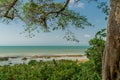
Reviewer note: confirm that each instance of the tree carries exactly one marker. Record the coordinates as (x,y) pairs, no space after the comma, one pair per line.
(45,15)
(48,14)
(41,12)
(91,70)
(111,57)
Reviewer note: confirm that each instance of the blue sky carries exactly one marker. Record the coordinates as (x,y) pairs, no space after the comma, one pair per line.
(10,33)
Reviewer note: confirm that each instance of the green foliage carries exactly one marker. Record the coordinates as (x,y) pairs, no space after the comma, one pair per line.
(65,70)
(47,15)
(3,58)
(98,44)
(3,7)
(91,70)
(42,14)
(32,62)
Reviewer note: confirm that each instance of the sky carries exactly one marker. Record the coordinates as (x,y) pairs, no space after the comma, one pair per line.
(10,33)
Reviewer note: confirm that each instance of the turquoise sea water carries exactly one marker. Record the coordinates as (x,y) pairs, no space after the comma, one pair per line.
(40,50)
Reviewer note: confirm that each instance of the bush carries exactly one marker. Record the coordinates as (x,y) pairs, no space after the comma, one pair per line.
(4,58)
(92,70)
(65,70)
(32,62)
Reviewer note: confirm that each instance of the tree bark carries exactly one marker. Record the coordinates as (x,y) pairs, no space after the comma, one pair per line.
(111,56)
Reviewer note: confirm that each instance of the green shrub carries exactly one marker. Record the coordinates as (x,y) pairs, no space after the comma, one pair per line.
(32,62)
(91,70)
(4,58)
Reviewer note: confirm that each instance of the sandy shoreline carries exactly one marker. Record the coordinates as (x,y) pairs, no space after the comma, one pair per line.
(25,59)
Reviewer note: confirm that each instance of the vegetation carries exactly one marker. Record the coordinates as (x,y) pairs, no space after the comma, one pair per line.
(51,11)
(65,70)
(24,58)
(62,69)
(4,58)
(47,14)
(92,70)
(11,9)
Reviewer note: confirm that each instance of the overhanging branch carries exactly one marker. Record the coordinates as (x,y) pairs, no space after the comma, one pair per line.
(57,12)
(8,10)
(62,9)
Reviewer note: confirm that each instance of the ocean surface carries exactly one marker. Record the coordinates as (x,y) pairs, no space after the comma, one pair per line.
(40,50)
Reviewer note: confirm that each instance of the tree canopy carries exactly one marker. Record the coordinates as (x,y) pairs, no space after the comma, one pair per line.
(46,14)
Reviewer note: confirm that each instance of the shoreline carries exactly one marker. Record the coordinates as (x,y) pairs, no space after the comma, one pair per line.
(42,56)
(11,60)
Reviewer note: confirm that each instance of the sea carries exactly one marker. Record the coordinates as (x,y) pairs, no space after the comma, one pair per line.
(40,50)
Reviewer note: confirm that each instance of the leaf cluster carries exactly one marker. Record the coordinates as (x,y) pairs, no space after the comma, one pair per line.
(91,70)
(48,15)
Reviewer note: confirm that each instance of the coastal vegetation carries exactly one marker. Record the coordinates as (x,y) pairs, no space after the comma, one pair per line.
(64,70)
(60,69)
(33,14)
(4,58)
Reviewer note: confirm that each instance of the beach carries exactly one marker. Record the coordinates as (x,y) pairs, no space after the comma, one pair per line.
(10,55)
(11,60)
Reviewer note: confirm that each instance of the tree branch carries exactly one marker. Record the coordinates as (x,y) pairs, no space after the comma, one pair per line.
(67,2)
(57,12)
(62,9)
(8,10)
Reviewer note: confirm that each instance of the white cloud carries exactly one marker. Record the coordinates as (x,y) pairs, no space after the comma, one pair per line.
(71,1)
(80,5)
(76,5)
(87,36)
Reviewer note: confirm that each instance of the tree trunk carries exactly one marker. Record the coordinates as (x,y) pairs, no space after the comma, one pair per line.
(111,56)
